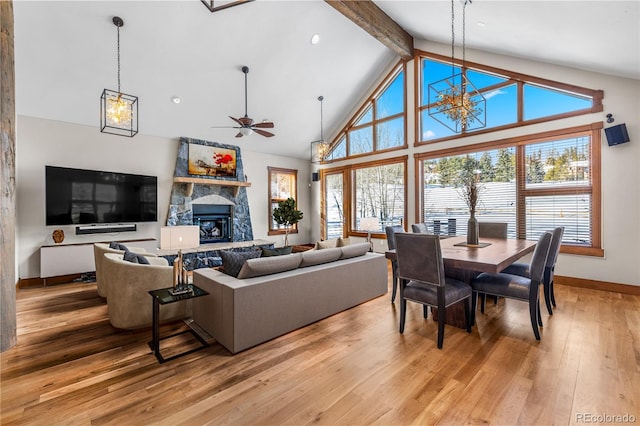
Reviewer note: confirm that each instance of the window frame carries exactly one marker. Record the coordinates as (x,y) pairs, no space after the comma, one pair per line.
(293,173)
(348,176)
(594,130)
(371,104)
(512,77)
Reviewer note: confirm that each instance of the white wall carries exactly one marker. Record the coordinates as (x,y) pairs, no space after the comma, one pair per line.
(45,142)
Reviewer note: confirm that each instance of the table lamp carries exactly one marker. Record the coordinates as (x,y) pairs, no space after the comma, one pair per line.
(178,238)
(369,224)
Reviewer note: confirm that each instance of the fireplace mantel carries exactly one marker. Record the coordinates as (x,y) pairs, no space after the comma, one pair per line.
(190,181)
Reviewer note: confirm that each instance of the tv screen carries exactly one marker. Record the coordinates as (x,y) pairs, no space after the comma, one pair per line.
(77,196)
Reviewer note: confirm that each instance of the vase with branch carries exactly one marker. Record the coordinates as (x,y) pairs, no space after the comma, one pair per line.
(470,192)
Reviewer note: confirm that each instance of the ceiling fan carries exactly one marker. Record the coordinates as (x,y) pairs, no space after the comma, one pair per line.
(246,124)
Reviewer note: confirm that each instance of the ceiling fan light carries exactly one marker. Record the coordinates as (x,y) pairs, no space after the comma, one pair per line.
(246,131)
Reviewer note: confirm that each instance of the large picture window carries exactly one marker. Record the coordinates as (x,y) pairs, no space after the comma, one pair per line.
(534,183)
(375,191)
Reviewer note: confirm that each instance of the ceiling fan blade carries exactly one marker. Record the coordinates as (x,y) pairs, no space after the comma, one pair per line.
(236,120)
(263,133)
(264,125)
(239,135)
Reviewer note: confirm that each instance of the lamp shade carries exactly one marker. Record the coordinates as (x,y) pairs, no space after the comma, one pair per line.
(369,224)
(179,237)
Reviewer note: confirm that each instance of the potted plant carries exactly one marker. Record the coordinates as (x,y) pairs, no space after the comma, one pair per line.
(287,215)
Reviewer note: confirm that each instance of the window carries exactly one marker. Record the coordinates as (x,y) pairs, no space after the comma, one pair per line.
(282,185)
(534,183)
(370,190)
(512,99)
(380,123)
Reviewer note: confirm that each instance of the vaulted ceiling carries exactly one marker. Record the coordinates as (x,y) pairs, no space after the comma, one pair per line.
(66,55)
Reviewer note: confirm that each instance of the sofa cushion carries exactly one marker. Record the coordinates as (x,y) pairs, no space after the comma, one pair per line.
(118,246)
(135,258)
(354,250)
(232,261)
(269,265)
(331,243)
(316,257)
(267,252)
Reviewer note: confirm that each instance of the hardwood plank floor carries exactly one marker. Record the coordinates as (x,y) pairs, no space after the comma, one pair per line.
(72,367)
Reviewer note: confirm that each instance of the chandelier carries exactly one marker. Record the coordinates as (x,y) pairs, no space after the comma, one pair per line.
(222,4)
(455,102)
(319,148)
(118,111)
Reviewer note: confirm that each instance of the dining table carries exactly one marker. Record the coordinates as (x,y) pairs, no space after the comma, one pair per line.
(464,262)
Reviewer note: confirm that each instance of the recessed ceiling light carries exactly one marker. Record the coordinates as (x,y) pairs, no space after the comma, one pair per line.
(176,99)
(315,39)
(480,24)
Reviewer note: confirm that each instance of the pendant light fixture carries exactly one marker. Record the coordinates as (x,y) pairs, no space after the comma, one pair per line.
(454,101)
(319,148)
(118,111)
(222,4)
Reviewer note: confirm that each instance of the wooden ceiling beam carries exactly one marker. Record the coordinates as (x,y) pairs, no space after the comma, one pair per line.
(373,20)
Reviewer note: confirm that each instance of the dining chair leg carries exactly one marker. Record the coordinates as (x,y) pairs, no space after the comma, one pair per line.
(403,311)
(539,315)
(394,274)
(547,297)
(425,311)
(467,313)
(474,296)
(442,317)
(483,299)
(534,319)
(552,294)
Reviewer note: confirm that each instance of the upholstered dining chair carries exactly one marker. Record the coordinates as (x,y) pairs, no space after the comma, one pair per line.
(526,289)
(420,228)
(391,243)
(422,279)
(492,229)
(522,269)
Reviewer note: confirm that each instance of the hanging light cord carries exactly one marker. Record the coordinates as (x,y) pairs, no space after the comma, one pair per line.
(453,40)
(321,99)
(118,27)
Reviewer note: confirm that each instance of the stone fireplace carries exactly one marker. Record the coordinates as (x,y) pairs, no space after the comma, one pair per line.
(221,211)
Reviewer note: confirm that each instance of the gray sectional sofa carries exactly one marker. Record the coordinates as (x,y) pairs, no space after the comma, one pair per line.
(276,295)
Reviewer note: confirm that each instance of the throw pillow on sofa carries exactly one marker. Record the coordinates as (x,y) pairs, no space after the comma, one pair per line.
(269,265)
(118,246)
(232,261)
(332,243)
(135,258)
(268,252)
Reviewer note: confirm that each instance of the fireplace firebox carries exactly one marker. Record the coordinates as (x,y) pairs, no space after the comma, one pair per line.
(215,222)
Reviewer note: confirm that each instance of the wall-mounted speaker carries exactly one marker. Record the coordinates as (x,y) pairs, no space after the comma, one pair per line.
(617,134)
(315,176)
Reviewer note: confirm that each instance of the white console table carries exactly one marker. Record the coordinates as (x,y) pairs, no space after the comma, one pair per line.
(68,259)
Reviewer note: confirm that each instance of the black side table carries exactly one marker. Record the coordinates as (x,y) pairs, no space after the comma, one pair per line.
(164,297)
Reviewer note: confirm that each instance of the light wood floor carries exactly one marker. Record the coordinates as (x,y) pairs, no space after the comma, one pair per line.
(71,367)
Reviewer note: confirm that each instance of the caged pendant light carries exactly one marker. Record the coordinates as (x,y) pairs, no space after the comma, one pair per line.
(319,148)
(454,101)
(118,111)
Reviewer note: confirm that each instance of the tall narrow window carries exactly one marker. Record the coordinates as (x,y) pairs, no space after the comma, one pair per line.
(282,185)
(334,213)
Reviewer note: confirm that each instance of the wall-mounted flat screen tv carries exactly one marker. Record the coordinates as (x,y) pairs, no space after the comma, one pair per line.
(77,196)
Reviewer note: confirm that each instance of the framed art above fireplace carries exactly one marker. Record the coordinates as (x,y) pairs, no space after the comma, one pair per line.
(212,161)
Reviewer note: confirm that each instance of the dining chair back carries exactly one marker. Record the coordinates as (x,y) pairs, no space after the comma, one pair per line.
(518,287)
(422,279)
(420,228)
(492,229)
(522,269)
(391,232)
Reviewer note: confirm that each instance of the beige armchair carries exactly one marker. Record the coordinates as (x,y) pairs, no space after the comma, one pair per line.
(128,284)
(99,249)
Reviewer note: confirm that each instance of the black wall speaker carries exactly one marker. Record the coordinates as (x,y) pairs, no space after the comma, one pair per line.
(617,134)
(315,176)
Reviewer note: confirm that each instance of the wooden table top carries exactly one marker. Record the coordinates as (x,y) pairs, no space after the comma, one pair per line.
(492,258)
